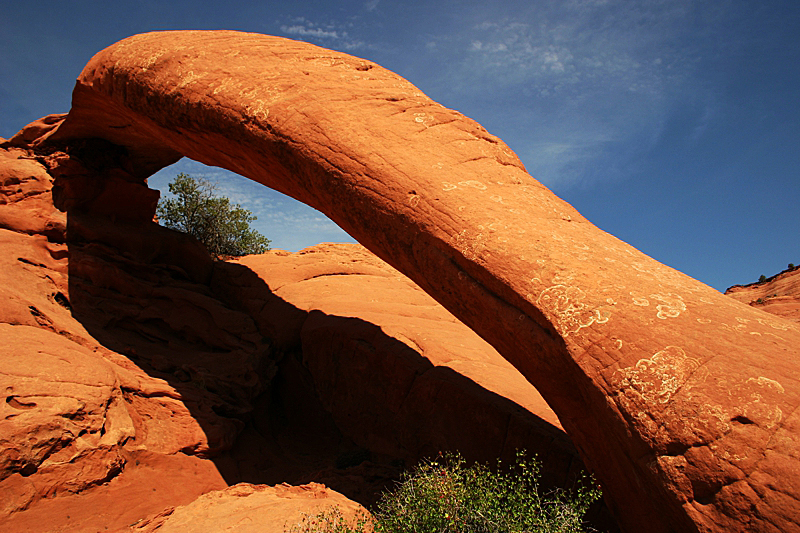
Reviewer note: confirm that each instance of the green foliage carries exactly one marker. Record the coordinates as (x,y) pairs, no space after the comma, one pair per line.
(332,521)
(762,278)
(223,227)
(447,496)
(791,266)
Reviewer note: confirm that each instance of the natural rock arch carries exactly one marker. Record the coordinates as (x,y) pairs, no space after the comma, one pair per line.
(683,402)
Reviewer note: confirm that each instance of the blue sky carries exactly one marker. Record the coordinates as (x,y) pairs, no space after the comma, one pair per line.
(672,124)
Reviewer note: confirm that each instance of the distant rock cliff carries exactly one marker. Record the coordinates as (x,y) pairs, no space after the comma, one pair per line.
(779,294)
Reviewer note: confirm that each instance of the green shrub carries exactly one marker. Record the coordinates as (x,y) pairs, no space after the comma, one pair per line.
(447,496)
(332,521)
(791,266)
(223,227)
(762,278)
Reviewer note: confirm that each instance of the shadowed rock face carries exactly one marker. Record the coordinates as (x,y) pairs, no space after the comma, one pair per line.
(127,381)
(683,402)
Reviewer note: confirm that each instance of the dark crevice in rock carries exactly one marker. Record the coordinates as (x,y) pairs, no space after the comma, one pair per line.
(29,262)
(14,402)
(62,300)
(741,419)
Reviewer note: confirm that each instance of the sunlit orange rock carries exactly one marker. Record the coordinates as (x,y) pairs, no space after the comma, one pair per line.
(246,508)
(130,382)
(779,295)
(683,402)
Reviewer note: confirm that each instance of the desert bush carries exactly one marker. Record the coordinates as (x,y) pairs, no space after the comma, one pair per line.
(332,521)
(223,227)
(762,278)
(446,495)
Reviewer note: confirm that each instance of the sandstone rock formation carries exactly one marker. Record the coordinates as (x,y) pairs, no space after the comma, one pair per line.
(682,401)
(417,368)
(80,418)
(779,295)
(244,508)
(134,385)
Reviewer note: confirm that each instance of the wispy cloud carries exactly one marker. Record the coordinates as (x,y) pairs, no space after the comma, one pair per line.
(331,34)
(598,74)
(710,110)
(305,31)
(561,56)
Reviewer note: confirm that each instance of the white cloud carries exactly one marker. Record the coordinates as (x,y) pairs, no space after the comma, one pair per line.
(548,58)
(486,25)
(600,75)
(331,35)
(489,47)
(372,5)
(311,32)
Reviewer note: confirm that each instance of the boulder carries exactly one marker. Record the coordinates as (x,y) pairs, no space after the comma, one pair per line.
(684,402)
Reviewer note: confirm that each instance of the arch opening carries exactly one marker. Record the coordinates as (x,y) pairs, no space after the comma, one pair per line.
(616,342)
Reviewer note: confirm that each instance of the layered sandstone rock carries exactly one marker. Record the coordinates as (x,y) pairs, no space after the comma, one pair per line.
(83,427)
(132,382)
(684,402)
(779,295)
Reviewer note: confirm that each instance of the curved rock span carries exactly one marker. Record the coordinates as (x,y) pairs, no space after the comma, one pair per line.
(682,401)
(125,381)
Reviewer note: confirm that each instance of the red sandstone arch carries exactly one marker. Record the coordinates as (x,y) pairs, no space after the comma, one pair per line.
(684,402)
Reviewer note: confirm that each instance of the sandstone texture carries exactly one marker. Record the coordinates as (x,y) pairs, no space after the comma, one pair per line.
(88,439)
(247,508)
(418,369)
(140,375)
(779,295)
(684,402)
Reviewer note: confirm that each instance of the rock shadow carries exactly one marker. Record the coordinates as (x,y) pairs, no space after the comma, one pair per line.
(281,394)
